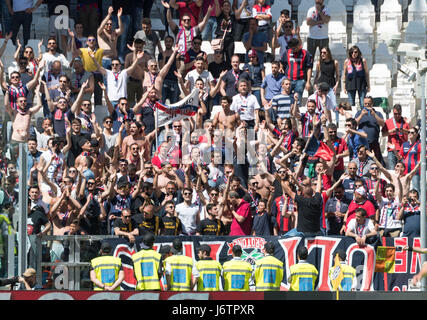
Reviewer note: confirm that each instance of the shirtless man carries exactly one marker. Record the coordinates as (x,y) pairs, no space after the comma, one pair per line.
(136,76)
(137,134)
(154,77)
(226,118)
(107,36)
(163,177)
(265,180)
(399,170)
(22,117)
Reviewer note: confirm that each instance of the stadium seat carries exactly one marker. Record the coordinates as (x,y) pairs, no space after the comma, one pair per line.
(364,13)
(383,56)
(388,33)
(391,10)
(303,32)
(380,77)
(416,33)
(337,11)
(417,11)
(363,33)
(239,47)
(337,33)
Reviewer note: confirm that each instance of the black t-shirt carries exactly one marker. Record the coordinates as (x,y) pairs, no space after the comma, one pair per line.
(36,219)
(208,227)
(216,68)
(148,225)
(231,81)
(172,226)
(170,75)
(263,224)
(75,149)
(309,212)
(125,227)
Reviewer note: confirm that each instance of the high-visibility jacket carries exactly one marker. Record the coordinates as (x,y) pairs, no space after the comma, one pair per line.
(210,275)
(106,270)
(268,274)
(181,268)
(146,265)
(349,273)
(303,276)
(237,274)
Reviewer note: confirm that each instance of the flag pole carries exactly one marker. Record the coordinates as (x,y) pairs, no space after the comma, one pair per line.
(155,123)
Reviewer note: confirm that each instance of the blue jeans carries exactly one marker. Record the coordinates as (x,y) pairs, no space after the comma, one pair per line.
(294,233)
(257,94)
(209,30)
(122,41)
(170,91)
(136,19)
(416,180)
(5,18)
(298,86)
(352,97)
(392,160)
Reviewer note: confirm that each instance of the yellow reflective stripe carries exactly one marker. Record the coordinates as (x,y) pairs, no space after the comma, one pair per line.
(146,258)
(185,265)
(238,270)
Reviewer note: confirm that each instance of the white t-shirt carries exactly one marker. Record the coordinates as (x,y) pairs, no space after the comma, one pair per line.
(247,11)
(361,230)
(188,217)
(245,106)
(319,31)
(193,75)
(388,214)
(50,58)
(116,84)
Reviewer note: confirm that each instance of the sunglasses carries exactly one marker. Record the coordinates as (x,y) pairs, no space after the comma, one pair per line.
(187,194)
(15,77)
(91,40)
(375,168)
(115,64)
(197,42)
(109,121)
(90,183)
(28,52)
(413,132)
(85,104)
(72,171)
(126,217)
(281,171)
(185,20)
(214,194)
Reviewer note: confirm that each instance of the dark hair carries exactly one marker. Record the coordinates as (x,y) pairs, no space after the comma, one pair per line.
(229,99)
(362,211)
(352,121)
(293,43)
(138,41)
(285,12)
(397,107)
(146,21)
(237,250)
(389,185)
(302,253)
(269,247)
(209,207)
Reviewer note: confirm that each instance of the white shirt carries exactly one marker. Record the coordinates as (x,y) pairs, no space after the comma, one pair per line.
(193,75)
(116,88)
(319,31)
(245,106)
(388,214)
(247,11)
(49,58)
(361,230)
(188,217)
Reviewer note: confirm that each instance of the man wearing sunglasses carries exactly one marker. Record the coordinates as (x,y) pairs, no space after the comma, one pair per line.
(126,227)
(396,130)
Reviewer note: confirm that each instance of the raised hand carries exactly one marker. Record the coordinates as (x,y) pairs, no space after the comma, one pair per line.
(119,12)
(110,10)
(166,5)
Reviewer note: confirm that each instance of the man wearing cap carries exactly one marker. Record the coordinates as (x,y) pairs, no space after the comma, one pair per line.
(28,280)
(303,275)
(349,280)
(178,269)
(268,270)
(106,271)
(237,272)
(147,265)
(360,201)
(208,271)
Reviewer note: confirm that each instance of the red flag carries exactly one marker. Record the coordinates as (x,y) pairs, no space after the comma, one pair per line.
(324,152)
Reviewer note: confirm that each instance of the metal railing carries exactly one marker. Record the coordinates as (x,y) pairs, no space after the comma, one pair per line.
(71,272)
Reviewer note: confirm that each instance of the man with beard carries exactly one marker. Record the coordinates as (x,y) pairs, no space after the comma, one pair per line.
(229,83)
(246,105)
(212,225)
(82,109)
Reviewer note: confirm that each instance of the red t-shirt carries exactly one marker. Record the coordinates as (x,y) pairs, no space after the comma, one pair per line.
(340,146)
(244,228)
(192,9)
(396,138)
(367,205)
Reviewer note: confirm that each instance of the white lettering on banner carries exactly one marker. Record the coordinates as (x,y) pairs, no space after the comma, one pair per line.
(368,266)
(5,296)
(61,281)
(62,21)
(145,296)
(105,296)
(56,296)
(190,296)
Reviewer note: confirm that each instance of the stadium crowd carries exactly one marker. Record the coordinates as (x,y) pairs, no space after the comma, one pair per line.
(255,159)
